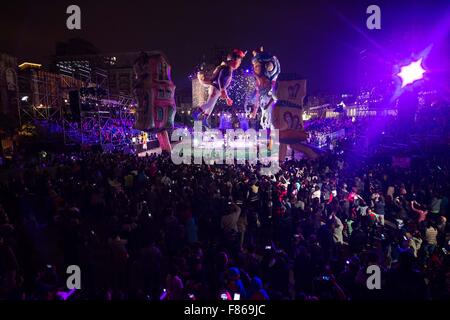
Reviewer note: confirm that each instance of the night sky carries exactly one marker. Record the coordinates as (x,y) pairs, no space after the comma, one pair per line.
(320,40)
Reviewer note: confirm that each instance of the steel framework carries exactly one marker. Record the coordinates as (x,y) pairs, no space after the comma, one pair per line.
(40,100)
(109,123)
(46,98)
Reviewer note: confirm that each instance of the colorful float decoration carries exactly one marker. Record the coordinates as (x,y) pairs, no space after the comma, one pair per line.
(155,94)
(281,104)
(266,69)
(287,117)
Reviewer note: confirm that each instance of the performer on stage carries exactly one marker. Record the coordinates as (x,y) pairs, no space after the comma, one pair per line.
(217,83)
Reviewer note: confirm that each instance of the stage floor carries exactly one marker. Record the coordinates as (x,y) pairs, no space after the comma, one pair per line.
(297,155)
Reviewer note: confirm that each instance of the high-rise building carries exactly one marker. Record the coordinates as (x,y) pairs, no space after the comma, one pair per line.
(80,59)
(111,71)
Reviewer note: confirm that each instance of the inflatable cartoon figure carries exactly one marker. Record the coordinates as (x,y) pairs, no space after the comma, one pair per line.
(287,117)
(266,68)
(281,104)
(217,84)
(155,94)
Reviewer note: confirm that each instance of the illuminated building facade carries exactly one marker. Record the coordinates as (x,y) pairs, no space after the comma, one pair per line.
(8,85)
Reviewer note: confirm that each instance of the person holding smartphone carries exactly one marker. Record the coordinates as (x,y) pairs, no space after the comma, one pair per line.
(234,284)
(379,205)
(229,221)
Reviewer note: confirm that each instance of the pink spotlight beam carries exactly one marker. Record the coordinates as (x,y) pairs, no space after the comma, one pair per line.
(411,72)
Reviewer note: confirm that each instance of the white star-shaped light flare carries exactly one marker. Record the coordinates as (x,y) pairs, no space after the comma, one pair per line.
(411,72)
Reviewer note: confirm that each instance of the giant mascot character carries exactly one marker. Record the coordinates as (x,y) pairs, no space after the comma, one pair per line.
(266,69)
(218,82)
(281,104)
(155,94)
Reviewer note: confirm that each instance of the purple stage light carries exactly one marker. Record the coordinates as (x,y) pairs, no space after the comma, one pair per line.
(65,295)
(411,72)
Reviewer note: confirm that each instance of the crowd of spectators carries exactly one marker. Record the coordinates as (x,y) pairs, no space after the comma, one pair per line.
(145,228)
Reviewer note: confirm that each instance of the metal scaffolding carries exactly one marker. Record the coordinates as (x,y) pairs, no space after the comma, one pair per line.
(96,120)
(109,123)
(101,117)
(41,98)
